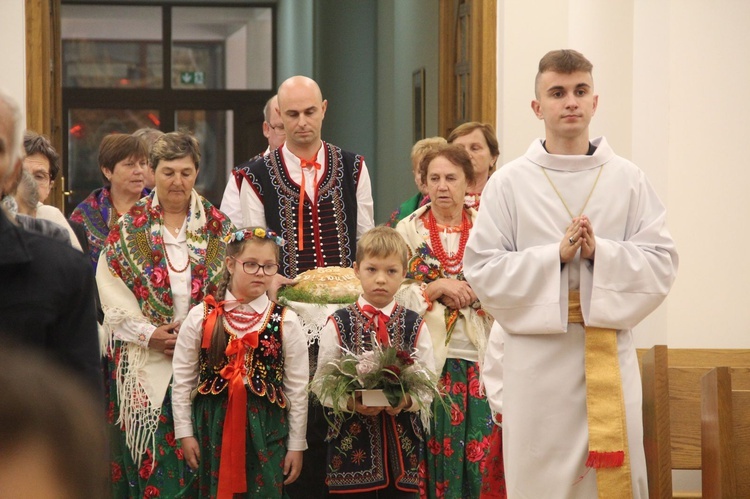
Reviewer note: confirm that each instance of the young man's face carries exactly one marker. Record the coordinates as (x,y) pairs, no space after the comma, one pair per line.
(566,103)
(380,278)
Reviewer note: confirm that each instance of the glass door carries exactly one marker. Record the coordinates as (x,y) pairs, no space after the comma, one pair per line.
(124,67)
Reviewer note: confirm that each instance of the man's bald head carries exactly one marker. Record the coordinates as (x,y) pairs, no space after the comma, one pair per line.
(298,84)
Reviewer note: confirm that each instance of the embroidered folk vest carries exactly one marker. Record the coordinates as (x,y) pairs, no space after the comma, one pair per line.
(265,364)
(330,227)
(367,452)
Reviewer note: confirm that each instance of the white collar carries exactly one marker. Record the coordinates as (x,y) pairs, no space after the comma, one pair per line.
(258,305)
(387,310)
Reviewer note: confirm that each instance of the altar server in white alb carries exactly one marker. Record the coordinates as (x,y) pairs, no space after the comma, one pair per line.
(569,252)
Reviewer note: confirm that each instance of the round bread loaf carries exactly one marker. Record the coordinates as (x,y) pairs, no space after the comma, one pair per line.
(324,285)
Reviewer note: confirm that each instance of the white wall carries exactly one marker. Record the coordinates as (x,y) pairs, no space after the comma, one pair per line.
(672,77)
(13,55)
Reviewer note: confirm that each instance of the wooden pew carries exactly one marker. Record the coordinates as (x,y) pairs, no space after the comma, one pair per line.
(671,381)
(725,433)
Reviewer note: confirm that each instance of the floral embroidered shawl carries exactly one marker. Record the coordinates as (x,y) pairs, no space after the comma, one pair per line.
(135,253)
(95,213)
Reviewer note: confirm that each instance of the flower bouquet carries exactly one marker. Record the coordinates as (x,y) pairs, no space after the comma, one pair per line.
(395,372)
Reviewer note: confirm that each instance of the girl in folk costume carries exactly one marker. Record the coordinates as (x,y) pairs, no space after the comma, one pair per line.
(435,287)
(245,358)
(377,451)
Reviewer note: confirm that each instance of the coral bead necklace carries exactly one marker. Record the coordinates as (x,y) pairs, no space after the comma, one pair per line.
(450,263)
(241,321)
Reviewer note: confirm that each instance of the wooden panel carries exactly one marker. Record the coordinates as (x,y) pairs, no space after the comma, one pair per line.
(685,416)
(43,79)
(483,60)
(741,437)
(725,433)
(672,408)
(656,436)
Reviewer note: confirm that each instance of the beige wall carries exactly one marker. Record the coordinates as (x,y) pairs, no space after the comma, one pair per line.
(13,53)
(672,77)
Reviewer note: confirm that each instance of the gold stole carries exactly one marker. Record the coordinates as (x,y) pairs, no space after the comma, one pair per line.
(605,407)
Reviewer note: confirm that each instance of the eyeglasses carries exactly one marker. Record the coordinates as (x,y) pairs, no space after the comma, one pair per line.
(42,177)
(277,128)
(252,267)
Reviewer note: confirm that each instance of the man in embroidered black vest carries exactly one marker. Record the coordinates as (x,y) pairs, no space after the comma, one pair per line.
(313,194)
(318,198)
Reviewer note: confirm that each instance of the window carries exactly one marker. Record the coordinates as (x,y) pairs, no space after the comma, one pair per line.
(124,67)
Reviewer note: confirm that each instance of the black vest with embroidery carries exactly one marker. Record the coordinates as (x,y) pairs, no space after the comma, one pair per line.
(264,364)
(368,452)
(329,227)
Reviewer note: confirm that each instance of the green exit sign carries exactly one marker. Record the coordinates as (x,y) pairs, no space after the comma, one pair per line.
(192,77)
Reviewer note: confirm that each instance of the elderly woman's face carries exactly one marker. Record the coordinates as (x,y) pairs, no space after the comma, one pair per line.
(175,179)
(446,184)
(476,145)
(127,176)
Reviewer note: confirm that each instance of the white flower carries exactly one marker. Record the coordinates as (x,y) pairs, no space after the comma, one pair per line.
(367,363)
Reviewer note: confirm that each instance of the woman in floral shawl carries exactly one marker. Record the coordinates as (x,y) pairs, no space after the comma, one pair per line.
(123,163)
(162,258)
(435,287)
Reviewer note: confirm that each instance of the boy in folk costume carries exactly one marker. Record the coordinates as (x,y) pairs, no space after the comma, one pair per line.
(570,251)
(247,359)
(377,451)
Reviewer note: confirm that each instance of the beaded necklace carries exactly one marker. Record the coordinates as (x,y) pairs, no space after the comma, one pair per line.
(169,262)
(241,321)
(451,264)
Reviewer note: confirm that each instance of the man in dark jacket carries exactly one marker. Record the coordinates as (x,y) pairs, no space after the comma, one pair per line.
(46,287)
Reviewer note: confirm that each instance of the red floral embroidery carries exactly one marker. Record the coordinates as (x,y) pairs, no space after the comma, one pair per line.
(358,456)
(140,221)
(146,467)
(447,449)
(171,440)
(434,446)
(214,226)
(140,291)
(459,387)
(151,491)
(475,388)
(272,346)
(440,488)
(446,381)
(116,472)
(457,416)
(474,451)
(159,277)
(196,291)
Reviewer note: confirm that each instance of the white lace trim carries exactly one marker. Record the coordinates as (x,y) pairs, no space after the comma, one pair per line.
(139,416)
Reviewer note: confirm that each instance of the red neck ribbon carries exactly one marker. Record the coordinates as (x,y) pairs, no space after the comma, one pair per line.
(301,210)
(382,320)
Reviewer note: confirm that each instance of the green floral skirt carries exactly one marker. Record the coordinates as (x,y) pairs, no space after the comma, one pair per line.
(162,471)
(459,440)
(267,430)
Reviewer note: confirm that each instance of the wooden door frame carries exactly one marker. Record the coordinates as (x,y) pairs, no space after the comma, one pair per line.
(43,78)
(483,55)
